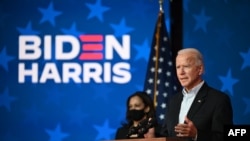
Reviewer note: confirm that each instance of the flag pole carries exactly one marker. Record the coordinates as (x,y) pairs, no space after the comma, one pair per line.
(160,81)
(157,45)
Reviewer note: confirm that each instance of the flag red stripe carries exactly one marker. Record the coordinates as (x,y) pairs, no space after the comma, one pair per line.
(91,56)
(92,47)
(91,38)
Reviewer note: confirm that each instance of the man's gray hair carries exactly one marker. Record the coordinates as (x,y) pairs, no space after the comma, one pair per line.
(197,55)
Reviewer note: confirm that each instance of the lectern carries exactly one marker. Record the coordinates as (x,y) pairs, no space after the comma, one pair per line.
(153,139)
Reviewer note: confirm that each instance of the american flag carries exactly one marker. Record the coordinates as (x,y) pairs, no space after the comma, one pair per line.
(161,82)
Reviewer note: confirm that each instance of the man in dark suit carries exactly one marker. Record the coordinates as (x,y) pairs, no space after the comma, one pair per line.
(199,112)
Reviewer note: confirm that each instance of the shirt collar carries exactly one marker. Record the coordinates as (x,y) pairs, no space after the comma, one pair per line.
(193,91)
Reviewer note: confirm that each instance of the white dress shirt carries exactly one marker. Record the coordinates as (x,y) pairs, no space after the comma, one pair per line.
(188,98)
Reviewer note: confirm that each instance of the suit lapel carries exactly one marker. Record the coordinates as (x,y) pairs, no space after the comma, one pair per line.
(198,101)
(177,104)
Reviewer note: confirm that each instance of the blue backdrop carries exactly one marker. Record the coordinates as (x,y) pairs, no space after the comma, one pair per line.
(50,92)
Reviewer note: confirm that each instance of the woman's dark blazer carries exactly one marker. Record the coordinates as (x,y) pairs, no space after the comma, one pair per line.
(121,132)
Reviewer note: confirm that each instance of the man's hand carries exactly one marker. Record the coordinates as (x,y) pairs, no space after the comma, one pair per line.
(186,129)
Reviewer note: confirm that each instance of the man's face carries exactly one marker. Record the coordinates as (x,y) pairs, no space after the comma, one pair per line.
(188,72)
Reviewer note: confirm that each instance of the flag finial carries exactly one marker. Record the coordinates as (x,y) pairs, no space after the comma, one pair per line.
(160,3)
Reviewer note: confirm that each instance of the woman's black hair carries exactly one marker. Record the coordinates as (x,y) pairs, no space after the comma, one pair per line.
(148,102)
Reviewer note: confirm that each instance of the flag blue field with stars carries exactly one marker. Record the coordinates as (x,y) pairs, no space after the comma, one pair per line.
(161,81)
(48,93)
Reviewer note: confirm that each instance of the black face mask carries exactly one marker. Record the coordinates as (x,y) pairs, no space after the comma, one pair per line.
(136,114)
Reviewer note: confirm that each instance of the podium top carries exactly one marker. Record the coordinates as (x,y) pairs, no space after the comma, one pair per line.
(154,139)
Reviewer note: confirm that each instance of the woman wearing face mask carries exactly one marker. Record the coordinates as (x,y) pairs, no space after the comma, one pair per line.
(140,118)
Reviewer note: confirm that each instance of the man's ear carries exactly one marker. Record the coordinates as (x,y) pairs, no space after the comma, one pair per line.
(201,70)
